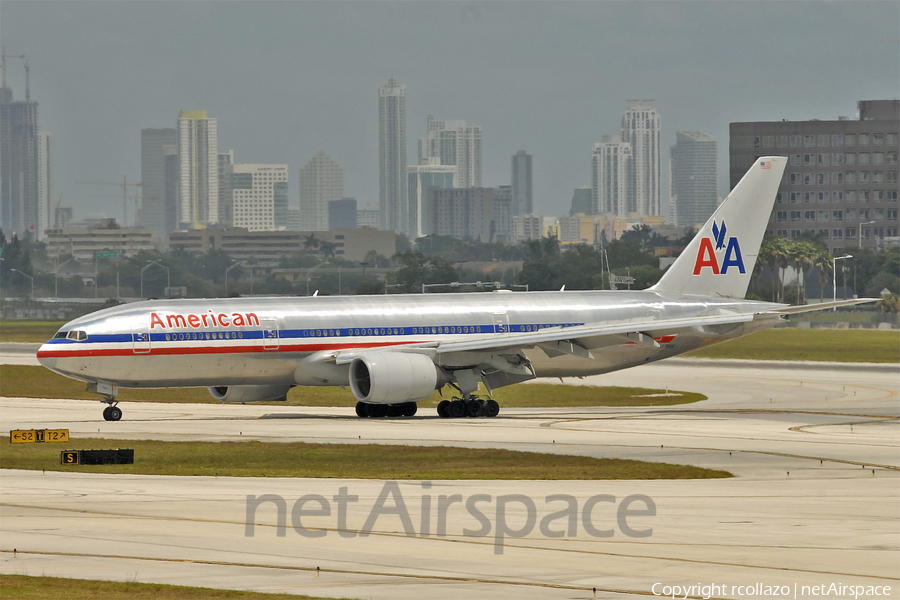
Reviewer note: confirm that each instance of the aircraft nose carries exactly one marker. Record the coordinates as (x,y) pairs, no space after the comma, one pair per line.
(44,357)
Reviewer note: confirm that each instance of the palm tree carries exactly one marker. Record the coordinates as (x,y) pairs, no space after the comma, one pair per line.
(823,262)
(310,242)
(326,248)
(803,254)
(780,249)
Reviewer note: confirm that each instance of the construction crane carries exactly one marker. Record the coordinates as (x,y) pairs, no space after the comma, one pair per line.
(124,185)
(3,57)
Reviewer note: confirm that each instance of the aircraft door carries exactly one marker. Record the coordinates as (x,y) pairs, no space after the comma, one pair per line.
(270,333)
(501,323)
(140,339)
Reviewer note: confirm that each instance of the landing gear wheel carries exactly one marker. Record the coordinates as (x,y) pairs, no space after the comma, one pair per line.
(443,409)
(395,410)
(457,409)
(409,409)
(106,413)
(113,413)
(472,408)
(491,408)
(378,410)
(362,410)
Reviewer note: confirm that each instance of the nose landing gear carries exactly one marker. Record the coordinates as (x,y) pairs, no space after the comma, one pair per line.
(111,412)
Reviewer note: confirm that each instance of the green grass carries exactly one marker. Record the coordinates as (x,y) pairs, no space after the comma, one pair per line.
(57,588)
(37,382)
(344,461)
(15,330)
(811,344)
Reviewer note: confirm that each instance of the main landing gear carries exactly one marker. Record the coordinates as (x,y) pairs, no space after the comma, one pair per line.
(112,412)
(376,411)
(468,406)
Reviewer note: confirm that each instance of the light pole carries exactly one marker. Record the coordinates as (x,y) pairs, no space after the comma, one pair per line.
(308,271)
(144,268)
(56,276)
(860,231)
(834,276)
(237,264)
(29,277)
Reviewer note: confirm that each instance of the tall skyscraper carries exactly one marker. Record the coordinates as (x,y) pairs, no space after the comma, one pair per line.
(321,181)
(611,168)
(226,195)
(19,211)
(260,196)
(641,129)
(153,180)
(422,178)
(481,214)
(198,157)
(454,143)
(694,168)
(392,199)
(170,157)
(522,187)
(46,183)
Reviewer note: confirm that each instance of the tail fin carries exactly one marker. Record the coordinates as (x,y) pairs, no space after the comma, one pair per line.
(720,258)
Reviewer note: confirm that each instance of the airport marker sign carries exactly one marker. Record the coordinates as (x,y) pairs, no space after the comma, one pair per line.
(29,436)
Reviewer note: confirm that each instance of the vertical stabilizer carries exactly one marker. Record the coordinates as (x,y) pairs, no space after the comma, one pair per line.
(720,258)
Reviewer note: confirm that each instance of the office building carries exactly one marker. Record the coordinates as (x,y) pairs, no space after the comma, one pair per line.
(841,180)
(369,216)
(641,129)
(46,183)
(321,181)
(293,222)
(454,143)
(694,178)
(342,214)
(480,214)
(155,212)
(582,201)
(422,178)
(611,172)
(393,199)
(19,195)
(198,182)
(84,240)
(269,247)
(260,197)
(226,196)
(522,185)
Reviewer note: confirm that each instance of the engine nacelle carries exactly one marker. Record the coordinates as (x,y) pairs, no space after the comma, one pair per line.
(250,393)
(393,377)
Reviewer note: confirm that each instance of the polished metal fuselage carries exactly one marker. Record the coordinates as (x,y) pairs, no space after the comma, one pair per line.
(263,340)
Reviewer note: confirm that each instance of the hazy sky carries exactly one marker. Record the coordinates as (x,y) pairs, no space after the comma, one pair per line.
(289,79)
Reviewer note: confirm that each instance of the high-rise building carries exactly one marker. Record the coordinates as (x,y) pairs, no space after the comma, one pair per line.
(226,195)
(522,186)
(841,181)
(392,199)
(422,178)
(171,179)
(260,197)
(153,181)
(342,214)
(481,214)
(19,211)
(582,201)
(368,216)
(454,143)
(46,183)
(641,129)
(611,170)
(694,178)
(321,181)
(198,156)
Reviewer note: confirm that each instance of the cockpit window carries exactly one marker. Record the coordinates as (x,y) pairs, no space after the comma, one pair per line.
(61,335)
(78,336)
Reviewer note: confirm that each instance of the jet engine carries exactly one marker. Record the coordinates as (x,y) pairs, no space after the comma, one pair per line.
(393,377)
(250,393)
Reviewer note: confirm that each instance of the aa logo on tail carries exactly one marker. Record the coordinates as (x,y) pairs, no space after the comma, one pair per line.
(731,257)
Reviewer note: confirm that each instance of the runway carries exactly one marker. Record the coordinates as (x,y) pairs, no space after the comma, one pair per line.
(815,450)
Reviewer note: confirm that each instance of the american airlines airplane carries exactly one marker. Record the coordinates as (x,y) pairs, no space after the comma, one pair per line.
(393,351)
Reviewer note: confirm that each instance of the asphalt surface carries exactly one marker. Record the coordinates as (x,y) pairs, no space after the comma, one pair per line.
(815,450)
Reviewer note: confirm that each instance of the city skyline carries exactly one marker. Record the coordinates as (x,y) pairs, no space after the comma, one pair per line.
(700,62)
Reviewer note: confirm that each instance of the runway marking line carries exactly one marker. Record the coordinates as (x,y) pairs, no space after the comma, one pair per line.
(435,539)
